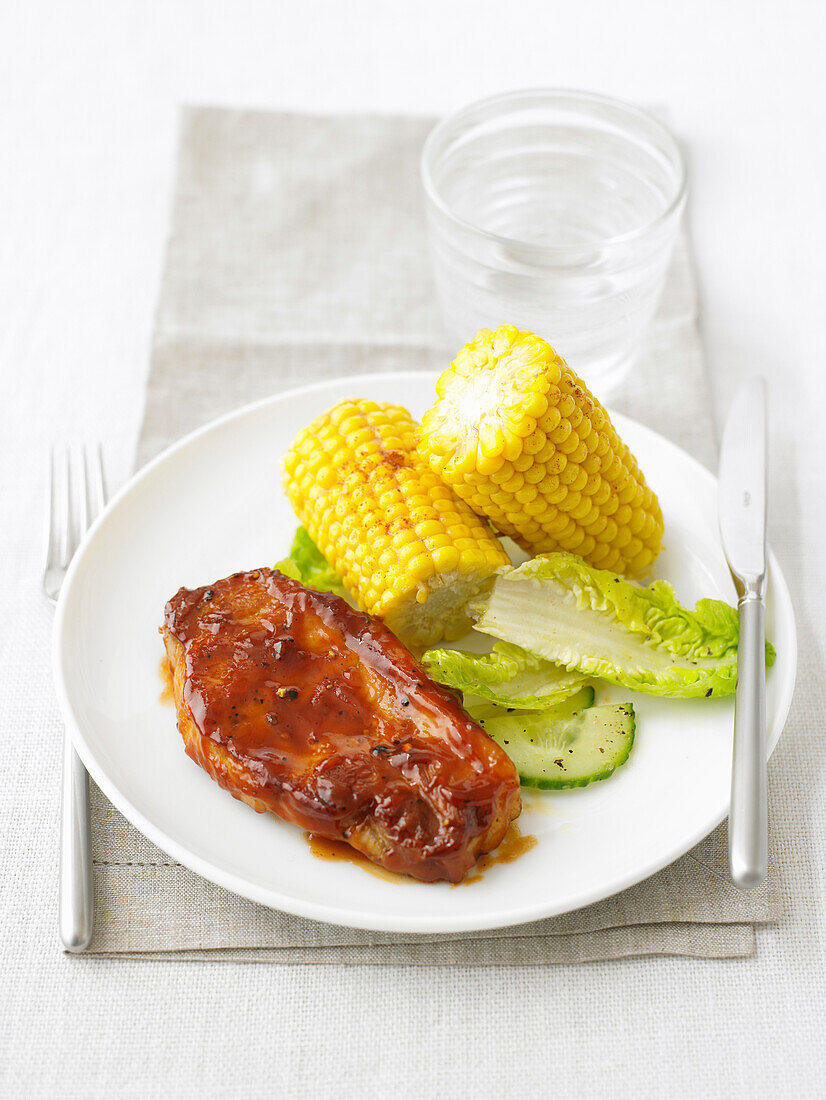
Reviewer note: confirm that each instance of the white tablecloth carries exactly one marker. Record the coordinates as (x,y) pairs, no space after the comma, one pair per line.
(88,99)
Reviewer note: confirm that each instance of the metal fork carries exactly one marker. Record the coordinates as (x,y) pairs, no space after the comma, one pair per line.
(77,494)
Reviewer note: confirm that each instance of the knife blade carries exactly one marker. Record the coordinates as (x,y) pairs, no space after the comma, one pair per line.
(742,486)
(742,518)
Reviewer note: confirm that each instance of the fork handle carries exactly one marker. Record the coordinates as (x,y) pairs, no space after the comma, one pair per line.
(76,910)
(748,827)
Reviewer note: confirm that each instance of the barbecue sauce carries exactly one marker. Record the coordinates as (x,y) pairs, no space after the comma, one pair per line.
(339,851)
(512,847)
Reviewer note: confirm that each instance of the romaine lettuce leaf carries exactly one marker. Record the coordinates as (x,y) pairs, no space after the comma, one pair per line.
(308,565)
(592,621)
(508,676)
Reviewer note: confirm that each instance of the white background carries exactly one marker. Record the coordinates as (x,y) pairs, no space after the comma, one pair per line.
(88,102)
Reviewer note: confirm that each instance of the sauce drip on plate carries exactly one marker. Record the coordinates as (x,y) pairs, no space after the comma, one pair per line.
(512,847)
(339,851)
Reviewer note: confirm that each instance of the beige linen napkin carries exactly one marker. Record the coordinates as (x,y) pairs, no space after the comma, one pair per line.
(297,253)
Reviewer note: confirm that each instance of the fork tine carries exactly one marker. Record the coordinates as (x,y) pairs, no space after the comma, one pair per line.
(82,489)
(104,487)
(76,502)
(95,481)
(64,481)
(52,554)
(65,492)
(57,524)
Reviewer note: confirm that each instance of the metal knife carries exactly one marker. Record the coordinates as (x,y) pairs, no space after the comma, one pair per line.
(742,515)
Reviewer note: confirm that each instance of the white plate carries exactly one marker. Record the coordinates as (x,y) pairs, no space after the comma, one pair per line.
(211,505)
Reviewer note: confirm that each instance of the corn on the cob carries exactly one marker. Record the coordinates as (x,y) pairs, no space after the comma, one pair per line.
(407,548)
(518,436)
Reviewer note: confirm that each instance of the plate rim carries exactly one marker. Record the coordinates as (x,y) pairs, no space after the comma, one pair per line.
(353,918)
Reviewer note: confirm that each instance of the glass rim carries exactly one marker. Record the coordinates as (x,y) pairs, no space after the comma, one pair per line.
(573,95)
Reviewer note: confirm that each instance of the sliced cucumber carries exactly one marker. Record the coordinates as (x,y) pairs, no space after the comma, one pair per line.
(554,750)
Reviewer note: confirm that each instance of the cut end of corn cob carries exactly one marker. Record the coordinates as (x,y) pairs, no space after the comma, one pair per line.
(518,436)
(405,545)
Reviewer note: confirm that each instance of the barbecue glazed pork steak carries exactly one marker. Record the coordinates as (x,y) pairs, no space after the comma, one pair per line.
(301,706)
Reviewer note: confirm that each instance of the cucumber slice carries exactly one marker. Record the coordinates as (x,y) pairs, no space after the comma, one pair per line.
(554,751)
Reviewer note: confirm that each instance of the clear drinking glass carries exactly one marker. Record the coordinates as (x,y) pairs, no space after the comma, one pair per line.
(555,211)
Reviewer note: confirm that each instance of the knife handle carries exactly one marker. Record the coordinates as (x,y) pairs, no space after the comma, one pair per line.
(748,820)
(76,901)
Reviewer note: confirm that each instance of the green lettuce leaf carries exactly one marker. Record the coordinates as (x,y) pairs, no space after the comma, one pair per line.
(592,621)
(508,676)
(580,700)
(308,565)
